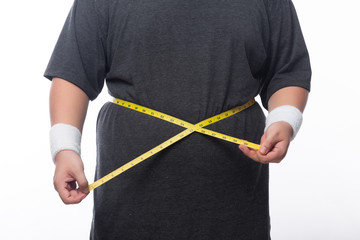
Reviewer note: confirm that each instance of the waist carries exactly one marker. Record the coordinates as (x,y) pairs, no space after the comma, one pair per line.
(190,111)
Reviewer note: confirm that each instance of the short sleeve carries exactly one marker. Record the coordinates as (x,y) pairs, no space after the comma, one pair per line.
(79,55)
(288,62)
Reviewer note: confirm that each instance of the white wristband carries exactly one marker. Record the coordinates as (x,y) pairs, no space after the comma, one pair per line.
(64,137)
(286,113)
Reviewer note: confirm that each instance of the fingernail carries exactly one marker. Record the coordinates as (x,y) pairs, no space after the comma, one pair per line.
(263,150)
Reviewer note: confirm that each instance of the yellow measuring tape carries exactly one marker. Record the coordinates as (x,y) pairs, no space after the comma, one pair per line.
(190,128)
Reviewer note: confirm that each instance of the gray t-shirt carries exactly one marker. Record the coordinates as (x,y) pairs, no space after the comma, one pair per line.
(191,59)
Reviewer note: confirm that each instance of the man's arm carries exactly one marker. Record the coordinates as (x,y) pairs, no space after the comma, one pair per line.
(68,105)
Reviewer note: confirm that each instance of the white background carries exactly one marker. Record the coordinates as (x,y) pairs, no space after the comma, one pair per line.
(314,192)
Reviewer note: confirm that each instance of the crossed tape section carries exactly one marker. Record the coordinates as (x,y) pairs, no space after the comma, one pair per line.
(190,128)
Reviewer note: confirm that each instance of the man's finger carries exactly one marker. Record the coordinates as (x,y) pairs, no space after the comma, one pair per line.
(250,153)
(64,194)
(71,197)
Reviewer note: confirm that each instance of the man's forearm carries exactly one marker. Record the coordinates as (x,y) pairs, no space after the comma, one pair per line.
(294,96)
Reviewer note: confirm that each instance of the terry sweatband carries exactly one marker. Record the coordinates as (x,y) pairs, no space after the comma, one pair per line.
(64,137)
(285,113)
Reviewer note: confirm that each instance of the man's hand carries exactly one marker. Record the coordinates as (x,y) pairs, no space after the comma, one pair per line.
(274,144)
(69,178)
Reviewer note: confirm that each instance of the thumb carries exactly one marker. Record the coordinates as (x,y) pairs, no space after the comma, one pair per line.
(82,182)
(267,143)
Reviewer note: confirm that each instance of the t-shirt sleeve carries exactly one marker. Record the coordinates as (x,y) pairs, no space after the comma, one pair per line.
(288,62)
(79,55)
